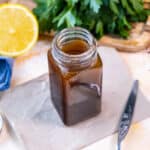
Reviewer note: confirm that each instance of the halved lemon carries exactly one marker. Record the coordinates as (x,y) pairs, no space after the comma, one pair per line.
(18,30)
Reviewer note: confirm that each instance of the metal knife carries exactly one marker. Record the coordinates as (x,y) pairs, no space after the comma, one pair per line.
(127,115)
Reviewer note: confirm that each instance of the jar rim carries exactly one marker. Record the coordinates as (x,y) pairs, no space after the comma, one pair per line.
(77,59)
(93,45)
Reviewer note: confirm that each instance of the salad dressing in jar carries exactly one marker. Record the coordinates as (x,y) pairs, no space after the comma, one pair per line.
(75,72)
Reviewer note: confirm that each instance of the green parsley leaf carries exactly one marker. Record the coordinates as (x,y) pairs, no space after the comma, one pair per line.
(98,16)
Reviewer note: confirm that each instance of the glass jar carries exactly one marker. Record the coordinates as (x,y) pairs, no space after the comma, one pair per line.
(75,71)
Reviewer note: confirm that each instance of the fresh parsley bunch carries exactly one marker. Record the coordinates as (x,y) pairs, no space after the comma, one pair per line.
(98,16)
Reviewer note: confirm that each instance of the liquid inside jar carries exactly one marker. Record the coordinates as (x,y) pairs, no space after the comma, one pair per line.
(75,90)
(75,47)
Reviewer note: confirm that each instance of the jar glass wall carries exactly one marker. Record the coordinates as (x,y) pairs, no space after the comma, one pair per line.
(75,71)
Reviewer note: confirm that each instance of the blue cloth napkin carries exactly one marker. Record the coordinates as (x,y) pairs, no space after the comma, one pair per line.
(6,65)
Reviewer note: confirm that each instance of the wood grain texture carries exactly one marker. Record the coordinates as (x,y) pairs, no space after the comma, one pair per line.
(138,40)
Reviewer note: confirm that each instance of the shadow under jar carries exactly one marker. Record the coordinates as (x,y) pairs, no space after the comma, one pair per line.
(75,71)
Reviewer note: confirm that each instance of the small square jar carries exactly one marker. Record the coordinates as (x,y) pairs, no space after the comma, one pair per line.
(75,72)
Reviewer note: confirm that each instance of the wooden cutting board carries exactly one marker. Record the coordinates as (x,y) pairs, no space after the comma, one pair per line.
(30,108)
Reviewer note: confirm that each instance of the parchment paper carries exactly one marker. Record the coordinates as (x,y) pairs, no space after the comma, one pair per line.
(30,108)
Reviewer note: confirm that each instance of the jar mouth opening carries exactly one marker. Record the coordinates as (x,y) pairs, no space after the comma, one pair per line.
(75,33)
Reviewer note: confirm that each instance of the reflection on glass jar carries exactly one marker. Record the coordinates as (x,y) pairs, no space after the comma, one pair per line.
(75,71)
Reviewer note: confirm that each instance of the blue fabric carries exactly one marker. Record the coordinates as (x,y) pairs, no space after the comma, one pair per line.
(6,65)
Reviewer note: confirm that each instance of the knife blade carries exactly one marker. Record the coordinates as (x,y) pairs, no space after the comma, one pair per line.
(127,114)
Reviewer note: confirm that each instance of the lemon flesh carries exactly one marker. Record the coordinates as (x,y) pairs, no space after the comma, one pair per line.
(18,30)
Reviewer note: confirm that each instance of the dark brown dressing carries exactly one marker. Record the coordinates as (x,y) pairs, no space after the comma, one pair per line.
(74,101)
(75,47)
